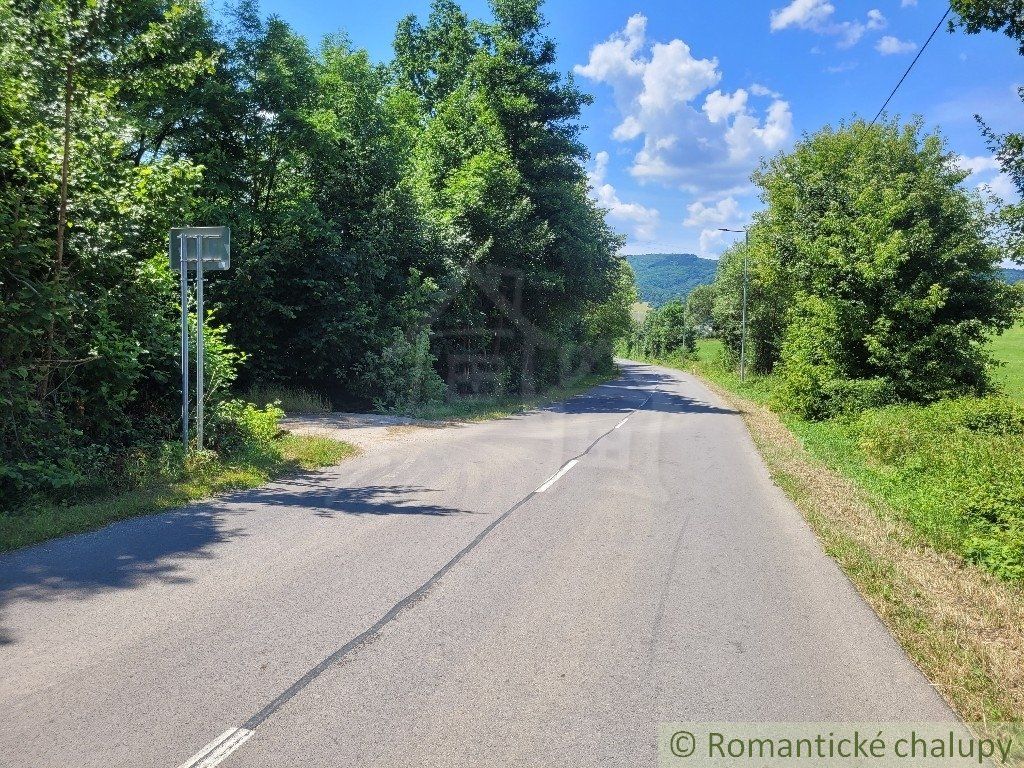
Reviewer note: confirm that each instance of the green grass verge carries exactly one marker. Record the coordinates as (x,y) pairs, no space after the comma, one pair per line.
(954,469)
(483,408)
(37,522)
(289,400)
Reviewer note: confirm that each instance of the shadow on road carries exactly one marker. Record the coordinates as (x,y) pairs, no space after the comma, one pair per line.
(310,494)
(160,548)
(628,392)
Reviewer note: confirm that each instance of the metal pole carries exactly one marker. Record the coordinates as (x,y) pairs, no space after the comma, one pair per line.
(183,250)
(743,319)
(200,349)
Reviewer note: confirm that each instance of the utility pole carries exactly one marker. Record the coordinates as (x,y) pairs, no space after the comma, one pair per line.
(743,310)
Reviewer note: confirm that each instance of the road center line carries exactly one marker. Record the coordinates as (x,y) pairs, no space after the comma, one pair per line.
(218,750)
(622,422)
(554,478)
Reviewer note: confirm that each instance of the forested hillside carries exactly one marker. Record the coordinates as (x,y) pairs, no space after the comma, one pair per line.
(395,228)
(1011,275)
(661,277)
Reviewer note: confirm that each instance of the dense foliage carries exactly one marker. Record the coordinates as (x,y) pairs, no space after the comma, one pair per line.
(395,228)
(664,332)
(957,467)
(871,279)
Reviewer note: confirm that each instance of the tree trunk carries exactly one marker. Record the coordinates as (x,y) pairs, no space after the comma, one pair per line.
(62,222)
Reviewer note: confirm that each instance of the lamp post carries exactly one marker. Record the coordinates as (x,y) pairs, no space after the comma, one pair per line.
(743,311)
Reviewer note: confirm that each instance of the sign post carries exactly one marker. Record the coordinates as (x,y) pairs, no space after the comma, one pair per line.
(184,343)
(200,249)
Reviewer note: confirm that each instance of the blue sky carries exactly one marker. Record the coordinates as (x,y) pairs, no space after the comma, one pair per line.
(689,94)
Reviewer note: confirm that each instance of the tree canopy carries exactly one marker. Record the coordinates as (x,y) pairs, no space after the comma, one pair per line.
(395,228)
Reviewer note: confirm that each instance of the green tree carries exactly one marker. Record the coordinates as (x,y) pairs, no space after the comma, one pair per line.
(499,172)
(88,344)
(870,244)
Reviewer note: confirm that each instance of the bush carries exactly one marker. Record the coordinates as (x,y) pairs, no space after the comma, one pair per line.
(958,468)
(402,374)
(847,397)
(240,428)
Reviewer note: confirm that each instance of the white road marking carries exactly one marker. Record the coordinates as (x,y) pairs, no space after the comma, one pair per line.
(218,750)
(557,475)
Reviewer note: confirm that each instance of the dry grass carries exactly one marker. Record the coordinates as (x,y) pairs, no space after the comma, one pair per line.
(963,627)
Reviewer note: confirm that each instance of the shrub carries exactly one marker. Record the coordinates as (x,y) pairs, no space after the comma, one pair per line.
(957,466)
(240,428)
(402,374)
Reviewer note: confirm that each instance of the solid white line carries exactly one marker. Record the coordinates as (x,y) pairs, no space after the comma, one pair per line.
(622,422)
(557,475)
(218,750)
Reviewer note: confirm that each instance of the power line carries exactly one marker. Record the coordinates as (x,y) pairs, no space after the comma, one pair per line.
(880,111)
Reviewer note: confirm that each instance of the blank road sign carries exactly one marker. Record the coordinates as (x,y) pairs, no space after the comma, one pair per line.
(216,247)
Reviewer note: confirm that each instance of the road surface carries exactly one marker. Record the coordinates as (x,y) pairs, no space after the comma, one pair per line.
(540,590)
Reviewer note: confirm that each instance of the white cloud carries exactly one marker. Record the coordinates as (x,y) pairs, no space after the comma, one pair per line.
(702,145)
(1002,186)
(725,211)
(762,90)
(642,221)
(612,60)
(806,14)
(819,16)
(978,164)
(719,106)
(889,46)
(985,175)
(711,242)
(846,66)
(907,3)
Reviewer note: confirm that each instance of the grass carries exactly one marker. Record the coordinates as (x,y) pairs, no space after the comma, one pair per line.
(921,506)
(288,399)
(1009,349)
(483,408)
(208,475)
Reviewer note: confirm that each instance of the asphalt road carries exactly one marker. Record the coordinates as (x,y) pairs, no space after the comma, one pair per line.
(431,606)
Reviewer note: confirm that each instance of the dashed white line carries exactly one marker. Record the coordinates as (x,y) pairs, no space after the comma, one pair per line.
(554,479)
(218,750)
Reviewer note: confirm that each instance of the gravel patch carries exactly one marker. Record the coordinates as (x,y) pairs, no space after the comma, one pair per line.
(370,432)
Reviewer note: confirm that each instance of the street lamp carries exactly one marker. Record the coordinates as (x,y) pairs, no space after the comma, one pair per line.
(743,311)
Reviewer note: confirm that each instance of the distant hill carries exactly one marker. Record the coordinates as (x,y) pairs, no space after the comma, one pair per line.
(661,277)
(1012,275)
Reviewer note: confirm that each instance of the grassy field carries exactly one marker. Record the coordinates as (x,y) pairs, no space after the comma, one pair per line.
(206,476)
(923,507)
(1009,349)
